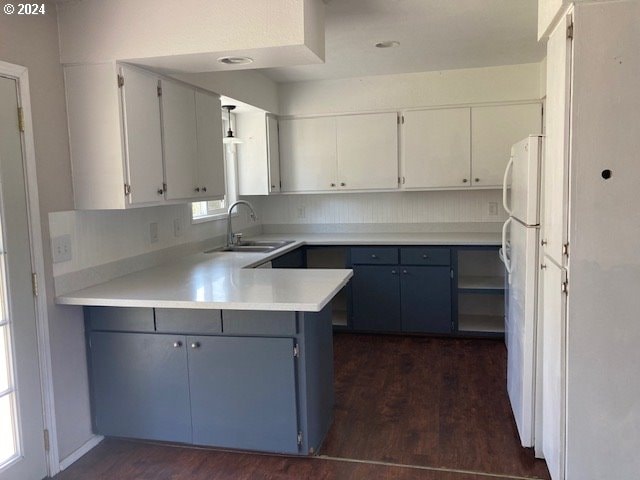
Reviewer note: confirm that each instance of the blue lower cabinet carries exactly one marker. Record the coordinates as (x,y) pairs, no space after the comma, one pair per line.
(375,298)
(140,386)
(426,299)
(243,393)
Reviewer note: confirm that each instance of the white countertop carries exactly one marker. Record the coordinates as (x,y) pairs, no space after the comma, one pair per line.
(226,280)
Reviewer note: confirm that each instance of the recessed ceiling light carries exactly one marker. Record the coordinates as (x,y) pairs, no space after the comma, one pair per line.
(235,60)
(388,44)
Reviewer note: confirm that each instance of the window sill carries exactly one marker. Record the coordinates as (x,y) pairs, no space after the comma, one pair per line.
(212,218)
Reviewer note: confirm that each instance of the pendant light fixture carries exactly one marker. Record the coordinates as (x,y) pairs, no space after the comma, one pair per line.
(229,137)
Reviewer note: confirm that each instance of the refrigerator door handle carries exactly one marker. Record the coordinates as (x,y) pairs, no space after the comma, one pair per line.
(503,251)
(504,186)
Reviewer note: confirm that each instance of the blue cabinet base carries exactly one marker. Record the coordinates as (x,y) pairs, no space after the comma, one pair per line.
(249,388)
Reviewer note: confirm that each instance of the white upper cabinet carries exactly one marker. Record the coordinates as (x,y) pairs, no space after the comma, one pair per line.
(258,154)
(180,140)
(210,178)
(124,152)
(350,152)
(367,151)
(308,159)
(436,148)
(493,131)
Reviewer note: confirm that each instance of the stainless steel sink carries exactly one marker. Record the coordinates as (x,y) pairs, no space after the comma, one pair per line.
(253,246)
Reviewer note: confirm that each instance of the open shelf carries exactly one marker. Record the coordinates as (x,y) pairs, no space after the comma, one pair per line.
(481,282)
(339,318)
(481,323)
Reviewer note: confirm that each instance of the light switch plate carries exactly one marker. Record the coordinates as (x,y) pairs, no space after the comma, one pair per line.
(61,249)
(493,208)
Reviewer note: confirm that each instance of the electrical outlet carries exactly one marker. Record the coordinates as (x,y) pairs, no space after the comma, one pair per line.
(493,209)
(302,212)
(61,249)
(153,232)
(177,227)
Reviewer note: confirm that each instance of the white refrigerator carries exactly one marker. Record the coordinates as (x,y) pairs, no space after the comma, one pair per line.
(519,253)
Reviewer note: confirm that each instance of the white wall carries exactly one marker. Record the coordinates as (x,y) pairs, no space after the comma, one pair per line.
(102,237)
(382,208)
(32,41)
(384,92)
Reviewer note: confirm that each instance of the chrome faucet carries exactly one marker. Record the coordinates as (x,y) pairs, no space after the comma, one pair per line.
(234,238)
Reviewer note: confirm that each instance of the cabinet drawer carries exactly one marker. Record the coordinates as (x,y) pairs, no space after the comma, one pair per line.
(374,255)
(120,319)
(248,322)
(188,321)
(425,256)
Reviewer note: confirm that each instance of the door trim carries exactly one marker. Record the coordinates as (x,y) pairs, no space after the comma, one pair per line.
(21,75)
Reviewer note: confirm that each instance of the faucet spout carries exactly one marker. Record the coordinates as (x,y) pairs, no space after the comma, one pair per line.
(231,237)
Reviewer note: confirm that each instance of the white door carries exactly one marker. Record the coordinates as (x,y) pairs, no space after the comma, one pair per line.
(22,454)
(525,174)
(436,148)
(556,158)
(273,154)
(493,131)
(210,159)
(143,138)
(368,151)
(553,368)
(521,327)
(308,158)
(179,138)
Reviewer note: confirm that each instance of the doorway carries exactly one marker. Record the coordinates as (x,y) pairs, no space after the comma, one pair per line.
(22,443)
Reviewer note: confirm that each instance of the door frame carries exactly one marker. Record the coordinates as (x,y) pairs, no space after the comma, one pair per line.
(21,75)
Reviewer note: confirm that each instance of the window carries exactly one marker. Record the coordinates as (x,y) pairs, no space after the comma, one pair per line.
(210,210)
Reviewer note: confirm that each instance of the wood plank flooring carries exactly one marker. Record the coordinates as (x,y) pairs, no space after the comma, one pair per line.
(431,404)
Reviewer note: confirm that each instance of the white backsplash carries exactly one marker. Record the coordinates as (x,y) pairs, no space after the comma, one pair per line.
(102,237)
(433,207)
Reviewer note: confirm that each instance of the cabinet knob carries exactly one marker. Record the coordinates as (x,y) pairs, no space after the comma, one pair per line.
(160,191)
(542,266)
(393,272)
(177,344)
(404,272)
(333,184)
(465,180)
(197,189)
(204,189)
(373,255)
(195,345)
(543,242)
(342,184)
(273,187)
(477,180)
(425,256)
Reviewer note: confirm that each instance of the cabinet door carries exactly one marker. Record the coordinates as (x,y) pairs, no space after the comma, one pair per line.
(556,158)
(376,298)
(426,299)
(273,154)
(493,131)
(179,135)
(437,152)
(139,386)
(367,151)
(143,138)
(308,159)
(210,158)
(243,393)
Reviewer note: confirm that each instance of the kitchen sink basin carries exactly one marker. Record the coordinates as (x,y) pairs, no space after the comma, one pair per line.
(253,246)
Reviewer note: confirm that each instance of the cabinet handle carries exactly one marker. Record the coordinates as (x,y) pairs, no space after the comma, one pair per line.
(465,180)
(195,345)
(373,255)
(177,344)
(342,184)
(204,189)
(197,189)
(477,180)
(393,272)
(425,256)
(405,272)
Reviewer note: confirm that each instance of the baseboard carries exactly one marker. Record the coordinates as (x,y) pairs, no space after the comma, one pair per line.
(75,456)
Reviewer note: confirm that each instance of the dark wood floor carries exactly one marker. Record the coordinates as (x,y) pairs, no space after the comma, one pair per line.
(430,404)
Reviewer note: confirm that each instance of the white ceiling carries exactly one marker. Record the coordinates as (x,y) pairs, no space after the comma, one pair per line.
(433,35)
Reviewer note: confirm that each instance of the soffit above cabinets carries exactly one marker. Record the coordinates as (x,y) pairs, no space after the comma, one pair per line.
(433,35)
